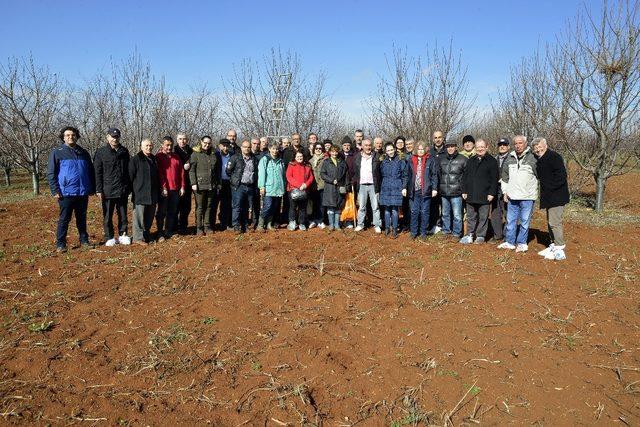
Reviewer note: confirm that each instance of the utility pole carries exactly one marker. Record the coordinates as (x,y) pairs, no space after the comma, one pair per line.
(282,88)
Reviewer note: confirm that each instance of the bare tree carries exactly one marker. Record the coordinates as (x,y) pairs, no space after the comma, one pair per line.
(251,91)
(30,100)
(422,94)
(596,69)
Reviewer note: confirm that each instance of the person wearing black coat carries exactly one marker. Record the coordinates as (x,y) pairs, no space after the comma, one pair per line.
(243,176)
(479,188)
(335,175)
(436,151)
(111,165)
(450,173)
(145,185)
(499,206)
(184,151)
(554,195)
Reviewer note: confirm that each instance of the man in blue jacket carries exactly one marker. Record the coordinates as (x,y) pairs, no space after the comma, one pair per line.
(71,180)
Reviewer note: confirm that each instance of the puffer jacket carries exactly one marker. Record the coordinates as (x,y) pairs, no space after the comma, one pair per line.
(298,174)
(271,176)
(205,169)
(450,173)
(394,176)
(519,176)
(70,171)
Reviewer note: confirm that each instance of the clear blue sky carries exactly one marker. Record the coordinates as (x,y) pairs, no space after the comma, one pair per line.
(197,41)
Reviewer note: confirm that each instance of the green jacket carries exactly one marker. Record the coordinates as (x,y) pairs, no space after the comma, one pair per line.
(205,169)
(271,176)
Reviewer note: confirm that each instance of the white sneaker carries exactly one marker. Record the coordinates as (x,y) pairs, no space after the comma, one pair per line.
(467,239)
(312,224)
(359,228)
(378,230)
(321,226)
(302,227)
(522,247)
(350,226)
(436,229)
(547,251)
(559,254)
(291,226)
(506,245)
(124,240)
(111,242)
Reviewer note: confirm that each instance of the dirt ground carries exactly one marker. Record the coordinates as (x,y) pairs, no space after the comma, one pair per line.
(313,328)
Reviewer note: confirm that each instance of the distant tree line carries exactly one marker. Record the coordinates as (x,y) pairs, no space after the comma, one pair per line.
(581,92)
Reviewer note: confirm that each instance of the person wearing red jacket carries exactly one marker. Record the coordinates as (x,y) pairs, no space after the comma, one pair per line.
(171,176)
(299,179)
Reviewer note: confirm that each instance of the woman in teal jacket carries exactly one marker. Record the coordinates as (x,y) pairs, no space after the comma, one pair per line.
(271,183)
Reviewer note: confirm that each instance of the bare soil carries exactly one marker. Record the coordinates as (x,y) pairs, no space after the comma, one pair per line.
(319,328)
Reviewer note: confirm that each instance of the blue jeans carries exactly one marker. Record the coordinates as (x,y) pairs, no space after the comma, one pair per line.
(420,210)
(518,210)
(334,217)
(241,200)
(452,204)
(69,205)
(391,217)
(270,205)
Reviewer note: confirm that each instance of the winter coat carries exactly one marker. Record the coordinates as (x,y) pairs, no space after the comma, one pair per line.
(171,171)
(554,189)
(349,158)
(70,171)
(330,172)
(480,179)
(437,153)
(468,154)
(145,182)
(112,171)
(519,179)
(500,169)
(394,175)
(450,172)
(271,176)
(185,155)
(429,175)
(375,169)
(204,171)
(298,174)
(316,165)
(235,169)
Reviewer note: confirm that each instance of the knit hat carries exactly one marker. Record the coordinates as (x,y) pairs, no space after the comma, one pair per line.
(346,140)
(468,138)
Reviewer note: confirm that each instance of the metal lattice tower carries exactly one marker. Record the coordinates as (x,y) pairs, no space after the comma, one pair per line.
(282,89)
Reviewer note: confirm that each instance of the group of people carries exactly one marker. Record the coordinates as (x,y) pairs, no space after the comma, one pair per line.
(402,185)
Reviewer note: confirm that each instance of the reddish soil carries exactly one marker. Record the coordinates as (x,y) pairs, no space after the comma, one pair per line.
(314,328)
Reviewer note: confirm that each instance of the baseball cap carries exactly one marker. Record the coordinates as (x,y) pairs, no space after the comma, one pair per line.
(114,132)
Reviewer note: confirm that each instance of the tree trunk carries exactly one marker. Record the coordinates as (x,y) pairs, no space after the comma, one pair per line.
(600,185)
(35,181)
(7,176)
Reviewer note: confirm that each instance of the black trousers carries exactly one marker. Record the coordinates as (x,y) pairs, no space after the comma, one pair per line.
(68,206)
(184,208)
(120,206)
(222,205)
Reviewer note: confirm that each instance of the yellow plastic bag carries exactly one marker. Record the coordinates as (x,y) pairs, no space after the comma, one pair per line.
(349,211)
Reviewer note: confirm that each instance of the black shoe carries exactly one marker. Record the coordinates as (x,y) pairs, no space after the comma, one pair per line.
(394,234)
(387,232)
